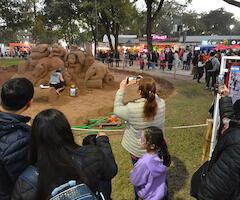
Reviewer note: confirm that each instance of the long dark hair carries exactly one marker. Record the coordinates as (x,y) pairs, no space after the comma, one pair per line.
(147,87)
(154,136)
(51,148)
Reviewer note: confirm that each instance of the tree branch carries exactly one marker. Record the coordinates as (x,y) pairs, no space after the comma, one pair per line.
(158,10)
(233,2)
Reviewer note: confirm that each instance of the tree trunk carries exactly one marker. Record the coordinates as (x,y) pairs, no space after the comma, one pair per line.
(116,37)
(34,9)
(151,16)
(149,25)
(106,23)
(94,33)
(110,40)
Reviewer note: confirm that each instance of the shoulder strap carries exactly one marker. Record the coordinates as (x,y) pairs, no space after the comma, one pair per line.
(30,176)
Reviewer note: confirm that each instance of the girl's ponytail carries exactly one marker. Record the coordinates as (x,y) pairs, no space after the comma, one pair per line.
(147,88)
(164,154)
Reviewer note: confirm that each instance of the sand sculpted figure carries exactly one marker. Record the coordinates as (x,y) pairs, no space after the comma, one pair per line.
(74,62)
(38,52)
(89,59)
(58,51)
(79,67)
(96,75)
(40,65)
(43,70)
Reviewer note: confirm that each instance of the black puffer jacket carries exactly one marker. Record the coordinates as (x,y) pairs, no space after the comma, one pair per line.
(97,162)
(14,138)
(222,181)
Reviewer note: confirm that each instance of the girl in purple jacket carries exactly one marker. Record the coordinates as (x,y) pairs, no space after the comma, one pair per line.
(150,172)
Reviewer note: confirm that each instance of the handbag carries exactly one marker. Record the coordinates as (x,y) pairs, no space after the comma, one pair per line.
(198,178)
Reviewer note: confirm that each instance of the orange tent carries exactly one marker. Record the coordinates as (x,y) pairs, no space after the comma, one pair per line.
(20,45)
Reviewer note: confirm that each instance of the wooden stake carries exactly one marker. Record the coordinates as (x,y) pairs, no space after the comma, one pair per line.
(207,140)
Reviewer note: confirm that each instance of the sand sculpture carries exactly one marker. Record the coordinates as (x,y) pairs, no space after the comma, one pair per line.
(79,68)
(82,66)
(96,75)
(74,63)
(40,65)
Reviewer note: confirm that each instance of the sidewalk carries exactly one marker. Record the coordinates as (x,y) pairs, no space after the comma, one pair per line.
(180,74)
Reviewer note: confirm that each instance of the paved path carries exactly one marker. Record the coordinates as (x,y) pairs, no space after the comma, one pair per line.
(180,74)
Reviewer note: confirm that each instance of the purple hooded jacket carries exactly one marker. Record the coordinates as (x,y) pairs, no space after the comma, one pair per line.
(149,177)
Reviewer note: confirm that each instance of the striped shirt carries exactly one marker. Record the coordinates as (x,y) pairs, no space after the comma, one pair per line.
(133,114)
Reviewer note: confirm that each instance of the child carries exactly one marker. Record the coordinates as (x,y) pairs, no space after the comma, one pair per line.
(141,62)
(150,172)
(16,97)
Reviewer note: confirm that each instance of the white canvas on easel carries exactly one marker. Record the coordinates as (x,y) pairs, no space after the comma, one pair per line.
(216,118)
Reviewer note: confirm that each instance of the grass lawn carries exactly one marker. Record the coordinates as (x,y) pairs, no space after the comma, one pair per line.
(7,62)
(188,106)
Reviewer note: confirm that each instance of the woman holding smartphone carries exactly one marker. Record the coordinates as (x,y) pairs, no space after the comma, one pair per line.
(148,110)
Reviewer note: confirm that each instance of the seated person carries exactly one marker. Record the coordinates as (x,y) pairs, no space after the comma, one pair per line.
(57,81)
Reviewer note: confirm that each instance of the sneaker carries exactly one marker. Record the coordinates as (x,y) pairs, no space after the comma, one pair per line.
(207,88)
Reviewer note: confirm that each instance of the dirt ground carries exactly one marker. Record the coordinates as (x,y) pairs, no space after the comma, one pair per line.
(90,103)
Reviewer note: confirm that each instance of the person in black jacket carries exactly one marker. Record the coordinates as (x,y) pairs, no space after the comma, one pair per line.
(16,97)
(222,180)
(58,158)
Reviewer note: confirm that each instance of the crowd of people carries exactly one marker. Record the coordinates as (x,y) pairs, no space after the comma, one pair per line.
(21,52)
(43,161)
(35,161)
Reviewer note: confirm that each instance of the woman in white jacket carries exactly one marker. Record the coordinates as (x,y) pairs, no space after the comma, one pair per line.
(149,110)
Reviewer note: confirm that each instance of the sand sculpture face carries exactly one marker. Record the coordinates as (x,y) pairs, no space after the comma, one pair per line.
(72,58)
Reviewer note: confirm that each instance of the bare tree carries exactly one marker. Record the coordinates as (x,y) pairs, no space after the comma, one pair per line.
(233,2)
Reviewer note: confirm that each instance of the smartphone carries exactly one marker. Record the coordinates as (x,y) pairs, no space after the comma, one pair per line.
(133,78)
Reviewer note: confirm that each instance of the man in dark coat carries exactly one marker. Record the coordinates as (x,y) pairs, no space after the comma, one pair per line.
(16,97)
(222,180)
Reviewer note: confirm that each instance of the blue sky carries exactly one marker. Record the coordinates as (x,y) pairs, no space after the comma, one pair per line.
(205,6)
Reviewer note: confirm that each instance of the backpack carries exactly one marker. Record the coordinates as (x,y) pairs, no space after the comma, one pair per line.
(71,190)
(189,56)
(67,191)
(209,65)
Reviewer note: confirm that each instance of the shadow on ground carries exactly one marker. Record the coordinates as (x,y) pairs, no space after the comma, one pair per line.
(177,176)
